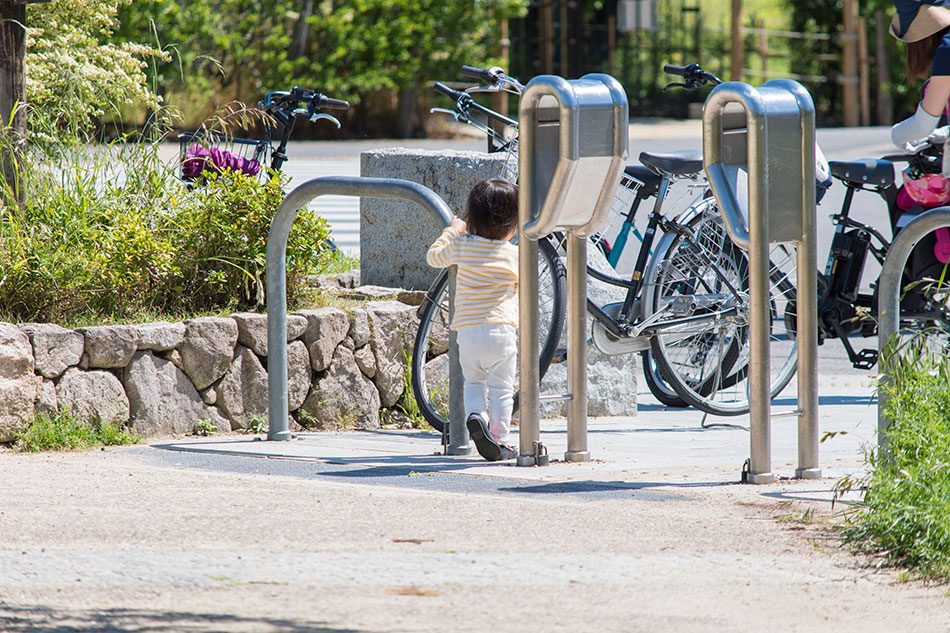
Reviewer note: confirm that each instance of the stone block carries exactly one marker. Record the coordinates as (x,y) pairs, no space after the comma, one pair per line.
(160,336)
(207,349)
(342,398)
(162,400)
(395,234)
(93,397)
(110,346)
(393,327)
(54,348)
(326,328)
(17,380)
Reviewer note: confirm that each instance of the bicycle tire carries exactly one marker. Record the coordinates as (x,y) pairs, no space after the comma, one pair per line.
(427,370)
(706,363)
(657,384)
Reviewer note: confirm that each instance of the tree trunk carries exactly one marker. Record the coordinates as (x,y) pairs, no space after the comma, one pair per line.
(12,93)
(301,30)
(407,109)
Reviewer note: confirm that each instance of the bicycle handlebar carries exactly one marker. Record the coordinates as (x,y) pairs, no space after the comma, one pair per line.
(288,101)
(694,75)
(485,75)
(452,94)
(335,104)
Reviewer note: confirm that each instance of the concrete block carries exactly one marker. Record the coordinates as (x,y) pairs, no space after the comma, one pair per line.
(395,234)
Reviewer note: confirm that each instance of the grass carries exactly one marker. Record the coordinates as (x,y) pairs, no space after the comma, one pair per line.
(61,431)
(905,512)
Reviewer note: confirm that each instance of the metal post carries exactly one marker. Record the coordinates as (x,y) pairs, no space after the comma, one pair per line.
(278,411)
(888,306)
(577,350)
(806,298)
(760,401)
(529,429)
(791,110)
(570,163)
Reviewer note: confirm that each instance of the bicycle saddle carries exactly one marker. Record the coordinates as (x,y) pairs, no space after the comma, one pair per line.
(867,171)
(650,179)
(684,163)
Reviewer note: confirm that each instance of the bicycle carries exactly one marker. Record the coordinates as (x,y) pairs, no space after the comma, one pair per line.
(842,308)
(201,152)
(690,287)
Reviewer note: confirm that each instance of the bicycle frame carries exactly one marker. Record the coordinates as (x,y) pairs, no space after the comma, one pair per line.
(841,303)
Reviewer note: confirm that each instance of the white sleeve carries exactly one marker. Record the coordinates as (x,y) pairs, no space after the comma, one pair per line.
(915,128)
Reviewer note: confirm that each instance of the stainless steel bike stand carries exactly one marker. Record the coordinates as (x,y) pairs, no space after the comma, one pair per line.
(772,137)
(572,148)
(299,198)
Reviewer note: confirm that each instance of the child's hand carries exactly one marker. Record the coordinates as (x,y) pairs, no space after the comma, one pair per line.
(458,224)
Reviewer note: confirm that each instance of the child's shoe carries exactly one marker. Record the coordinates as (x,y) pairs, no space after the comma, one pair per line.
(508,452)
(484,441)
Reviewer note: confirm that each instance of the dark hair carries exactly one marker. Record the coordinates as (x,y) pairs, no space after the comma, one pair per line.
(920,55)
(492,209)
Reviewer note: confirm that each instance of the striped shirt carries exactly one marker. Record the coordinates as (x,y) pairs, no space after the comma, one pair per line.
(486,289)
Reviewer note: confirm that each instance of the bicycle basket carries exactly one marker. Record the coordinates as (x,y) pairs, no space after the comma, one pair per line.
(508,168)
(622,202)
(200,153)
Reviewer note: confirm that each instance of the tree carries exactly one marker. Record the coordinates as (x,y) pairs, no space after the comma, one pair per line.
(374,53)
(822,57)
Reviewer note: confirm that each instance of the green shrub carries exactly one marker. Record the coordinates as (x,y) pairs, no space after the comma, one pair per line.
(109,234)
(62,432)
(905,512)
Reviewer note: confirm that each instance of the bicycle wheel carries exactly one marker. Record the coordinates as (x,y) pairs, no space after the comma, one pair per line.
(706,360)
(658,386)
(429,364)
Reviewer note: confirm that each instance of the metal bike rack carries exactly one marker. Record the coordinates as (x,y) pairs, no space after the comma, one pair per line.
(889,289)
(278,409)
(573,144)
(775,142)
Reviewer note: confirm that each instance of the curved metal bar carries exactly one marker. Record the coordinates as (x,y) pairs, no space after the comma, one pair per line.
(559,88)
(889,295)
(278,407)
(751,100)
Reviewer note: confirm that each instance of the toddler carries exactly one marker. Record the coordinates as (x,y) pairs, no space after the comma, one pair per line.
(486,309)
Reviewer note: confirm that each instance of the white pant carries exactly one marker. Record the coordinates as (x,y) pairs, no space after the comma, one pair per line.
(488,355)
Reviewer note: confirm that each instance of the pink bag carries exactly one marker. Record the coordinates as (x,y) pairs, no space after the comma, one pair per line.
(930,190)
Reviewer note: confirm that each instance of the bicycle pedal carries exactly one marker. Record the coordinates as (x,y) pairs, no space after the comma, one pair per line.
(865,359)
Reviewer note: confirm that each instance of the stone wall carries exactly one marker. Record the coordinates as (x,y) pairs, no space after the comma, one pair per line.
(395,234)
(163,378)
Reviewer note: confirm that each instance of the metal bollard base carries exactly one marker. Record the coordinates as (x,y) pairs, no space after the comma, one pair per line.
(807,473)
(525,460)
(280,436)
(760,478)
(577,456)
(458,450)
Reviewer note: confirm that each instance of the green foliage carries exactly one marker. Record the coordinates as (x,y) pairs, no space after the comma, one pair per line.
(822,57)
(62,432)
(351,49)
(258,425)
(109,234)
(76,75)
(204,428)
(906,508)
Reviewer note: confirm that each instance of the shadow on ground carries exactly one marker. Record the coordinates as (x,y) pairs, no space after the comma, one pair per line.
(42,619)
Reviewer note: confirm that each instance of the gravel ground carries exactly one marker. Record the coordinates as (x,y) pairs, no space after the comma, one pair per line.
(117,540)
